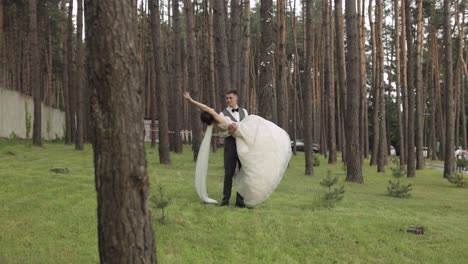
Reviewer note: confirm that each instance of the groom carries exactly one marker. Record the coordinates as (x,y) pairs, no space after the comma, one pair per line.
(236,114)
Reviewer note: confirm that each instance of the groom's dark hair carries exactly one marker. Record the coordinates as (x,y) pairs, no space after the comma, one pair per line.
(206,118)
(232,92)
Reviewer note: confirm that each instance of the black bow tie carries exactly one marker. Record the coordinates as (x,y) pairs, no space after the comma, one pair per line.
(235,110)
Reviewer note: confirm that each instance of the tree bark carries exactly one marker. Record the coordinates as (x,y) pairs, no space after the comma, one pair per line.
(401,128)
(222,68)
(79,139)
(234,44)
(244,65)
(161,84)
(35,73)
(125,231)
(420,101)
(307,115)
(266,96)
(193,75)
(449,105)
(340,57)
(380,87)
(281,67)
(329,84)
(354,157)
(71,72)
(411,156)
(176,83)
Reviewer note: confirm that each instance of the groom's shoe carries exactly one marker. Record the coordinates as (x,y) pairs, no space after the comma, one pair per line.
(224,203)
(240,205)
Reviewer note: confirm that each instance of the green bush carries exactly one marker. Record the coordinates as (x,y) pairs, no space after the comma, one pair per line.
(334,196)
(457,179)
(161,201)
(397,189)
(316,160)
(27,118)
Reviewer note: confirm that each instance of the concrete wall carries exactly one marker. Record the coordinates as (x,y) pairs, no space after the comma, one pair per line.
(13,106)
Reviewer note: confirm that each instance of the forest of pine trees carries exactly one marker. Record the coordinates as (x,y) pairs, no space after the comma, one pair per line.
(355,77)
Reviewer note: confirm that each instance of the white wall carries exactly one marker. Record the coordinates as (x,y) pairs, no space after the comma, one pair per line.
(13,116)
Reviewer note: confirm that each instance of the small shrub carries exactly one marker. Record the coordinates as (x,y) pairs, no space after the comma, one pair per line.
(332,196)
(457,179)
(316,160)
(161,202)
(27,118)
(13,136)
(397,189)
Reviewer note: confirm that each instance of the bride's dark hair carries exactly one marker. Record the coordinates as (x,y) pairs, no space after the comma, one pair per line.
(206,118)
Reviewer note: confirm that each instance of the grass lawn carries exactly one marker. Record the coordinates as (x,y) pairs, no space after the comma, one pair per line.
(51,218)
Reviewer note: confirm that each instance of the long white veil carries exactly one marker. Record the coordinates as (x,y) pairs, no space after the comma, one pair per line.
(201,168)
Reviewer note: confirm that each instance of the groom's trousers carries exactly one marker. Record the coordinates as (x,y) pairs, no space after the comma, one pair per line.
(230,162)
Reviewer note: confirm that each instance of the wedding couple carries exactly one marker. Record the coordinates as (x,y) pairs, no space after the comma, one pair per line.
(259,148)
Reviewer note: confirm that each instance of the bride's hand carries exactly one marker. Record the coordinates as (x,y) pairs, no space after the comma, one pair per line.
(187,96)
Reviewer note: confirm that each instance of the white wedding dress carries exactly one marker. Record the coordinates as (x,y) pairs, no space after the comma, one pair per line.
(264,150)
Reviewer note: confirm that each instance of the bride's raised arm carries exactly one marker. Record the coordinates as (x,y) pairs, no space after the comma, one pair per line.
(218,119)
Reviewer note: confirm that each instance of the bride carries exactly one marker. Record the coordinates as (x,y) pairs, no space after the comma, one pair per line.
(264,150)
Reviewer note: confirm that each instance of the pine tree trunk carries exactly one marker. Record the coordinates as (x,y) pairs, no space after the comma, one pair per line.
(329,83)
(354,157)
(161,83)
(223,76)
(265,91)
(375,90)
(71,73)
(35,73)
(363,111)
(281,66)
(234,44)
(340,57)
(176,83)
(193,75)
(420,101)
(125,231)
(411,161)
(245,54)
(404,82)
(401,128)
(79,140)
(382,148)
(449,106)
(307,95)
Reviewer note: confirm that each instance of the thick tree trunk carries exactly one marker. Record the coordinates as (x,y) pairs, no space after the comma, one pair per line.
(161,83)
(79,139)
(125,231)
(354,157)
(35,73)
(449,105)
(307,95)
(266,96)
(420,101)
(193,75)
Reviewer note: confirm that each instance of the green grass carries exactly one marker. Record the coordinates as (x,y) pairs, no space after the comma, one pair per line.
(51,218)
